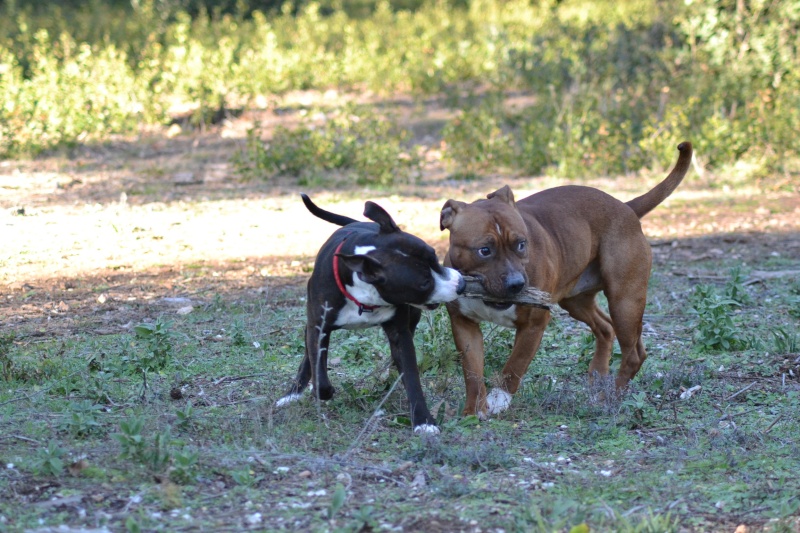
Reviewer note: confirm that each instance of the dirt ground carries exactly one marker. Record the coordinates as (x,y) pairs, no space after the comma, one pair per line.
(98,236)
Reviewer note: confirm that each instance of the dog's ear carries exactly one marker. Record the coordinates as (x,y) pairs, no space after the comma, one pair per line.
(504,193)
(377,214)
(368,268)
(449,211)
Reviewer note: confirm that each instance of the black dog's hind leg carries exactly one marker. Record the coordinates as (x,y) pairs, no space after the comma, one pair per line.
(300,381)
(303,373)
(399,331)
(318,338)
(314,366)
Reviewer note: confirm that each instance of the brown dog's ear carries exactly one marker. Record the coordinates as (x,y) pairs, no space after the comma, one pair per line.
(378,214)
(449,211)
(504,193)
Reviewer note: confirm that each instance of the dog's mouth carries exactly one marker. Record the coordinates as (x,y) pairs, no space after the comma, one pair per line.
(499,306)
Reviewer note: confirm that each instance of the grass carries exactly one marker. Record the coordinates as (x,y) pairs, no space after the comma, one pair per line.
(171,427)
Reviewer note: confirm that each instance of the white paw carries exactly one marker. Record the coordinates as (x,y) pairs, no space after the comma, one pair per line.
(429,429)
(497,401)
(289,398)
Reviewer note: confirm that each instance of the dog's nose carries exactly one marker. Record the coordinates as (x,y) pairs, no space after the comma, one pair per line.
(515,282)
(462,285)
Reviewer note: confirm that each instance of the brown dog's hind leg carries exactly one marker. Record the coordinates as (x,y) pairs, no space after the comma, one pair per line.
(627,315)
(469,342)
(626,292)
(583,307)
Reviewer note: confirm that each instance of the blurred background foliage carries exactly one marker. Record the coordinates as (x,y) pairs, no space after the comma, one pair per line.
(613,86)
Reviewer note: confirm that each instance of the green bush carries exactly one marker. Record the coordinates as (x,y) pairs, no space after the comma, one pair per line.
(615,86)
(476,140)
(351,140)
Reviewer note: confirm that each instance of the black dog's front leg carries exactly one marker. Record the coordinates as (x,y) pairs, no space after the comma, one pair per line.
(399,331)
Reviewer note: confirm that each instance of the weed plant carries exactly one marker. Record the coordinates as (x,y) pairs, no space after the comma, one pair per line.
(49,460)
(715,328)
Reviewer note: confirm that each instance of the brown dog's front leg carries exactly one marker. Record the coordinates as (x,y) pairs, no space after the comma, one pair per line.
(526,344)
(469,342)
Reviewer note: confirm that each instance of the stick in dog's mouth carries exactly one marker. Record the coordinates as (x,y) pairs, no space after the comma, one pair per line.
(528,296)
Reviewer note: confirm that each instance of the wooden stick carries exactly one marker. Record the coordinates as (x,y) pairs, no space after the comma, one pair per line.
(529,295)
(780,416)
(732,396)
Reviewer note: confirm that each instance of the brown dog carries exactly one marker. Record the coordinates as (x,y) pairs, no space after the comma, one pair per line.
(570,241)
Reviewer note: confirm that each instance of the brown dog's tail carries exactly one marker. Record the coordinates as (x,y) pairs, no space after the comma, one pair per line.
(648,201)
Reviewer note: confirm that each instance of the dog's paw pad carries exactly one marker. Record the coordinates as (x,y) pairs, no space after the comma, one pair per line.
(428,429)
(289,398)
(497,401)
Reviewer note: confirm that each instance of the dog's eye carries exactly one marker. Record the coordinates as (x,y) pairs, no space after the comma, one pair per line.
(521,245)
(485,251)
(425,285)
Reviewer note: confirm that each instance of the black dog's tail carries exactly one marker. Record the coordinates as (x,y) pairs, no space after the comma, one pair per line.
(327,216)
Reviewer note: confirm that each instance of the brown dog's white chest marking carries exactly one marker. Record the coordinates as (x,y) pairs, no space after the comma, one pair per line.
(480,312)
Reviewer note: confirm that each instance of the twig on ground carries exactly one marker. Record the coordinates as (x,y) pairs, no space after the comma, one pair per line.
(239,378)
(665,428)
(28,397)
(374,415)
(243,400)
(372,470)
(780,416)
(734,395)
(20,437)
(731,415)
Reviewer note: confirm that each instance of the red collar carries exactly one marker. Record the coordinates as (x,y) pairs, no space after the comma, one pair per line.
(361,307)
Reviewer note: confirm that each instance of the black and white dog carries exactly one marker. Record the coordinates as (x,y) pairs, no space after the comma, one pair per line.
(369,274)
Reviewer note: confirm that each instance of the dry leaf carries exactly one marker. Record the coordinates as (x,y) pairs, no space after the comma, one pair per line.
(77,467)
(419,480)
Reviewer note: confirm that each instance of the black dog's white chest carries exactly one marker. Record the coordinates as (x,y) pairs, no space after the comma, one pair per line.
(350,318)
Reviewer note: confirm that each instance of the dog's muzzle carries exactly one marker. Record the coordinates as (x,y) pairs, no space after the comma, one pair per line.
(514,283)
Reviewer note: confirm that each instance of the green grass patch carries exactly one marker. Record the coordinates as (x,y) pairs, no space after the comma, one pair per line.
(172,426)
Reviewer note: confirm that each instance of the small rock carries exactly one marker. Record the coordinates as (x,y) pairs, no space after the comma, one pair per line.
(254,519)
(184,178)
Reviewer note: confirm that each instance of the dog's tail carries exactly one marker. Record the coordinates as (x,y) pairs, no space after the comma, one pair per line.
(327,216)
(648,201)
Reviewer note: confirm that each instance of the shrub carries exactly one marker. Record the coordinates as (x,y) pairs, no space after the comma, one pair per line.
(616,86)
(350,140)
